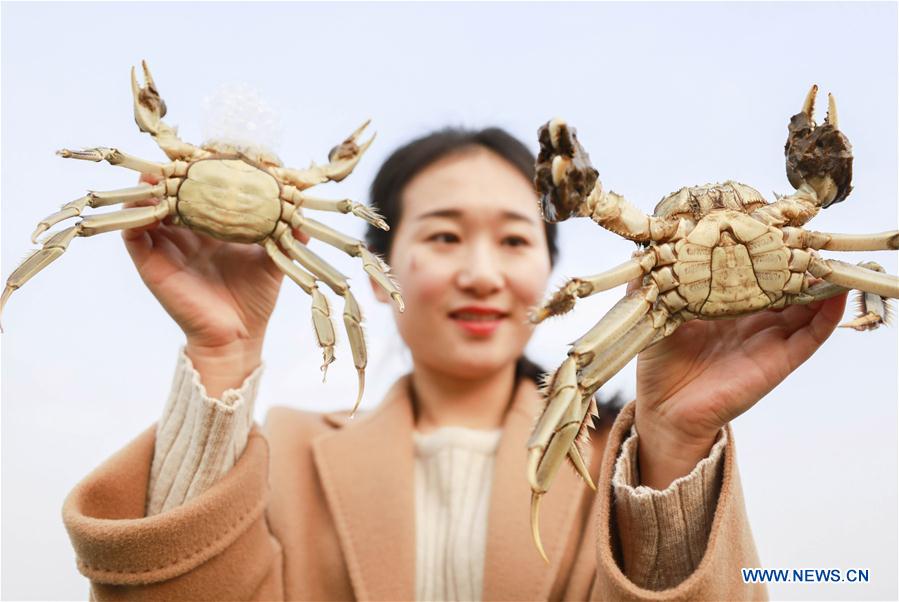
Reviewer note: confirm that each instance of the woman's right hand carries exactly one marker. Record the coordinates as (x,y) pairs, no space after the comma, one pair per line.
(221,294)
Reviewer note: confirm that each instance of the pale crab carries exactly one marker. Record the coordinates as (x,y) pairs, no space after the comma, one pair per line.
(235,194)
(707,252)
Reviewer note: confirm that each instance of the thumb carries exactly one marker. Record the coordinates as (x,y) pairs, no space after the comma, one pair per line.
(633,285)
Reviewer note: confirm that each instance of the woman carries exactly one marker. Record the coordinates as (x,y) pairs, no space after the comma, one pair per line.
(426,497)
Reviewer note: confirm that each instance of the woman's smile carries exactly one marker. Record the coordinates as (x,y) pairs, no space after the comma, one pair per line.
(478,320)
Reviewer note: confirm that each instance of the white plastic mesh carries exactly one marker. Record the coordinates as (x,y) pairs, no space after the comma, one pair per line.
(237,114)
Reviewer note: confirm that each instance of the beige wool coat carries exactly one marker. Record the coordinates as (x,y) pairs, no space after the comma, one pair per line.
(319,508)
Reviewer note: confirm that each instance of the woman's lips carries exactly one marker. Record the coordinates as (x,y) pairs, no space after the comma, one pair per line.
(478,321)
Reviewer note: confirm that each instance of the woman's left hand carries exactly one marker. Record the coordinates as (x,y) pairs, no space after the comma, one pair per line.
(708,372)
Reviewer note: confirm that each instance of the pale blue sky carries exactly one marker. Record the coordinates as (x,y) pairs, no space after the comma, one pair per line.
(663,95)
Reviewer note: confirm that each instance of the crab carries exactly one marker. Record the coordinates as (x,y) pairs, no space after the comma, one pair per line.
(708,252)
(235,194)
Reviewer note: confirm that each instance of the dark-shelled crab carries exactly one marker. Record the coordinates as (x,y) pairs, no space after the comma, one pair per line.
(707,252)
(234,194)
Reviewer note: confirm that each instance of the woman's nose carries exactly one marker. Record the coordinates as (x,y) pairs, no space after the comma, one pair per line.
(481,274)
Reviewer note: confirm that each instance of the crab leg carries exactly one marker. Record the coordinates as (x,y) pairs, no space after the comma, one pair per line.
(371,263)
(604,366)
(114,156)
(341,161)
(620,320)
(56,245)
(321,313)
(149,109)
(570,400)
(37,260)
(817,292)
(858,277)
(564,299)
(98,199)
(369,214)
(873,310)
(800,238)
(616,214)
(337,282)
(623,316)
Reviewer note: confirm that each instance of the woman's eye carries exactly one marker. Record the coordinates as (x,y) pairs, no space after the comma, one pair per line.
(515,241)
(444,237)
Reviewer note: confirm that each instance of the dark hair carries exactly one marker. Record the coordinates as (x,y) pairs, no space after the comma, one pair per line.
(410,159)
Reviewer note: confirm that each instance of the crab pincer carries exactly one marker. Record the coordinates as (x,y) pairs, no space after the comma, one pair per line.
(564,176)
(344,157)
(149,107)
(819,155)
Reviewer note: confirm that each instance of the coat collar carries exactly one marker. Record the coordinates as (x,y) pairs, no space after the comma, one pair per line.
(367,471)
(513,569)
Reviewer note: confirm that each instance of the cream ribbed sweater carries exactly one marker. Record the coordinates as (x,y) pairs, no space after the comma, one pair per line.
(200,438)
(453,478)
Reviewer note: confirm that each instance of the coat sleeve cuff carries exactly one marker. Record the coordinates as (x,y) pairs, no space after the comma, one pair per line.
(117,544)
(664,534)
(729,545)
(199,437)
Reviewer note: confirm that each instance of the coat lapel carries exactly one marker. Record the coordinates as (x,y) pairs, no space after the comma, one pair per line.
(513,568)
(367,471)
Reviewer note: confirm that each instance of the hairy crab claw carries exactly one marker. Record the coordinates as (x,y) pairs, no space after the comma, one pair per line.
(564,176)
(819,156)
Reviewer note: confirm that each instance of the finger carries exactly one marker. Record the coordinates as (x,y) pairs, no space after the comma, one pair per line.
(147,178)
(827,315)
(187,241)
(138,244)
(166,246)
(130,233)
(753,324)
(135,232)
(807,339)
(301,236)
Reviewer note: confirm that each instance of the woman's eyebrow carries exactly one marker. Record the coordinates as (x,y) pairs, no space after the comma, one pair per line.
(458,214)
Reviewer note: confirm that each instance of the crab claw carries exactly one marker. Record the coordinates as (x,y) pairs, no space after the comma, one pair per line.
(808,106)
(819,157)
(344,157)
(831,118)
(149,108)
(564,176)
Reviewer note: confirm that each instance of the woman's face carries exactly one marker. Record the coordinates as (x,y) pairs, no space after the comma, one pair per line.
(471,258)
